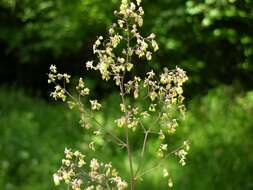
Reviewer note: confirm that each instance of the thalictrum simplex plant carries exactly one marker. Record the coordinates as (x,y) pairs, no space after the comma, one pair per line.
(117,56)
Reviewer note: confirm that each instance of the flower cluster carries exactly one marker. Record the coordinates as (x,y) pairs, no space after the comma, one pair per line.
(162,149)
(182,152)
(53,77)
(161,97)
(166,174)
(130,18)
(83,91)
(93,176)
(95,105)
(131,120)
(169,86)
(60,92)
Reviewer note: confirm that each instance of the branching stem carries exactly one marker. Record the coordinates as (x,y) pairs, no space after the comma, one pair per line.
(122,94)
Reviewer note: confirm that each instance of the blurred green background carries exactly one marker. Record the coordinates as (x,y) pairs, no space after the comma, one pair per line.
(211,39)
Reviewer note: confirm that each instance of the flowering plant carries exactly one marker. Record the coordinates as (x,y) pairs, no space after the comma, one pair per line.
(117,55)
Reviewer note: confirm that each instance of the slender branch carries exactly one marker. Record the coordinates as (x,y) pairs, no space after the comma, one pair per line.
(80,106)
(144,143)
(109,133)
(143,127)
(122,94)
(158,163)
(142,153)
(146,132)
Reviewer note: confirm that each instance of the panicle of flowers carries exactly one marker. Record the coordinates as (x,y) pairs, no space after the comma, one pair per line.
(53,75)
(59,93)
(68,173)
(162,94)
(131,120)
(168,87)
(129,19)
(78,174)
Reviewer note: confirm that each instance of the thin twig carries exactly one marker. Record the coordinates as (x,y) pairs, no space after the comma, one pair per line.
(80,106)
(158,163)
(142,153)
(109,133)
(122,94)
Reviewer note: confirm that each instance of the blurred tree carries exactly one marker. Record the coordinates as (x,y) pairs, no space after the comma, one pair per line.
(30,27)
(41,32)
(212,39)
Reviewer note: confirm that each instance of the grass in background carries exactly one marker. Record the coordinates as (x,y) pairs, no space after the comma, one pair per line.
(32,138)
(33,134)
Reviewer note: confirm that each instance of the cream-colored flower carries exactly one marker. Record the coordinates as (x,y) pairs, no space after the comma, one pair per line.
(89,64)
(138,2)
(53,69)
(165,172)
(170,182)
(95,105)
(94,165)
(81,163)
(149,55)
(57,179)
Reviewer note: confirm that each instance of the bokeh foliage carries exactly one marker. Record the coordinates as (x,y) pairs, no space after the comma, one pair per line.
(211,39)
(219,127)
(30,28)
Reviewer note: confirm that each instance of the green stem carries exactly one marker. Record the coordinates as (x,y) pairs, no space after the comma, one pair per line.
(122,94)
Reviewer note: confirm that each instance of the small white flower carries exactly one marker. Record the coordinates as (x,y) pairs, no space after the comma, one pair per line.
(149,55)
(170,182)
(94,165)
(111,31)
(95,105)
(155,45)
(81,162)
(163,146)
(132,6)
(121,23)
(165,173)
(151,36)
(89,64)
(141,12)
(56,179)
(53,69)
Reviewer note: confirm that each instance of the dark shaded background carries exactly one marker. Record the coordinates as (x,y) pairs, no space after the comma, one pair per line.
(212,41)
